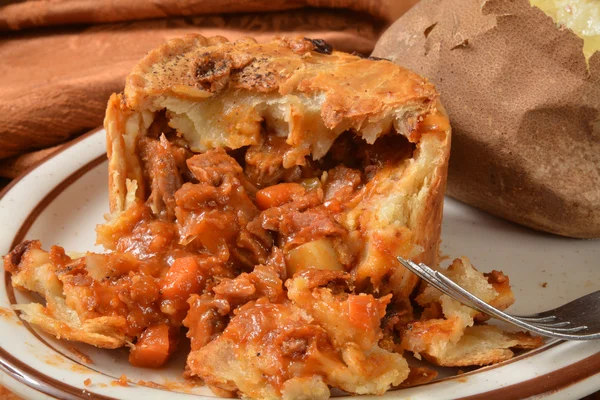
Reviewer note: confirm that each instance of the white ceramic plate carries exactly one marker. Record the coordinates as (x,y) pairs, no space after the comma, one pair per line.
(62,200)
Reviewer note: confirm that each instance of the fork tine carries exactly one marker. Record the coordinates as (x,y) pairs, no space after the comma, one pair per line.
(447,289)
(420,272)
(457,292)
(536,320)
(414,268)
(423,272)
(455,289)
(567,330)
(561,324)
(427,274)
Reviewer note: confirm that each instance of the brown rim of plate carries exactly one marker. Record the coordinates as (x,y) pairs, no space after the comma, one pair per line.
(549,383)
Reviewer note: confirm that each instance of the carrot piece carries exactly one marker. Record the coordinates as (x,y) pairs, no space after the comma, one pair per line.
(153,348)
(363,311)
(276,195)
(182,279)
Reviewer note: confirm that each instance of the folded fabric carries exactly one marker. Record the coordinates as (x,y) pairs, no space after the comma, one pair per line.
(28,14)
(56,81)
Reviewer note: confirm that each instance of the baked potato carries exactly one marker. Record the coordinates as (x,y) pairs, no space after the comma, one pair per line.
(524,101)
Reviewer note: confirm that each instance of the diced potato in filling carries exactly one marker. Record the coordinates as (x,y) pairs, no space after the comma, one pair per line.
(319,254)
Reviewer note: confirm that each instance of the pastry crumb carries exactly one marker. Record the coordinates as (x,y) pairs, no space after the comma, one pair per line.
(80,355)
(153,385)
(122,381)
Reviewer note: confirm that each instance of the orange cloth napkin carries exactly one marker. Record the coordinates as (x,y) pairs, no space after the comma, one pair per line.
(55,80)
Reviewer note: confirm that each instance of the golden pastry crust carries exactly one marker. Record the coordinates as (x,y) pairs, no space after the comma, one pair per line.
(352,91)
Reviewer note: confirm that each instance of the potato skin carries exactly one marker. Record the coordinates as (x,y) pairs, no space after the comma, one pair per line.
(524,108)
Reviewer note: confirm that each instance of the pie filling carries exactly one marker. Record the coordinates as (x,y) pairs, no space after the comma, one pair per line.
(213,218)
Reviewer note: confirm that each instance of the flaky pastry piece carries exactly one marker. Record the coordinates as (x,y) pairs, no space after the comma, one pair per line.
(63,316)
(447,334)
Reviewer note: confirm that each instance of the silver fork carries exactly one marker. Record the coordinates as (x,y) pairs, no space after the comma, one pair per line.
(577,320)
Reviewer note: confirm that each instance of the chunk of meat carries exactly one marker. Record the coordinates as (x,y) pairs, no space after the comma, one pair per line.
(206,319)
(214,213)
(209,313)
(163,174)
(341,185)
(301,220)
(214,166)
(273,161)
(301,201)
(263,281)
(264,161)
(149,238)
(302,227)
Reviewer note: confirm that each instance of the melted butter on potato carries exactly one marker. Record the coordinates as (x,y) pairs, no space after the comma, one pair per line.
(581,16)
